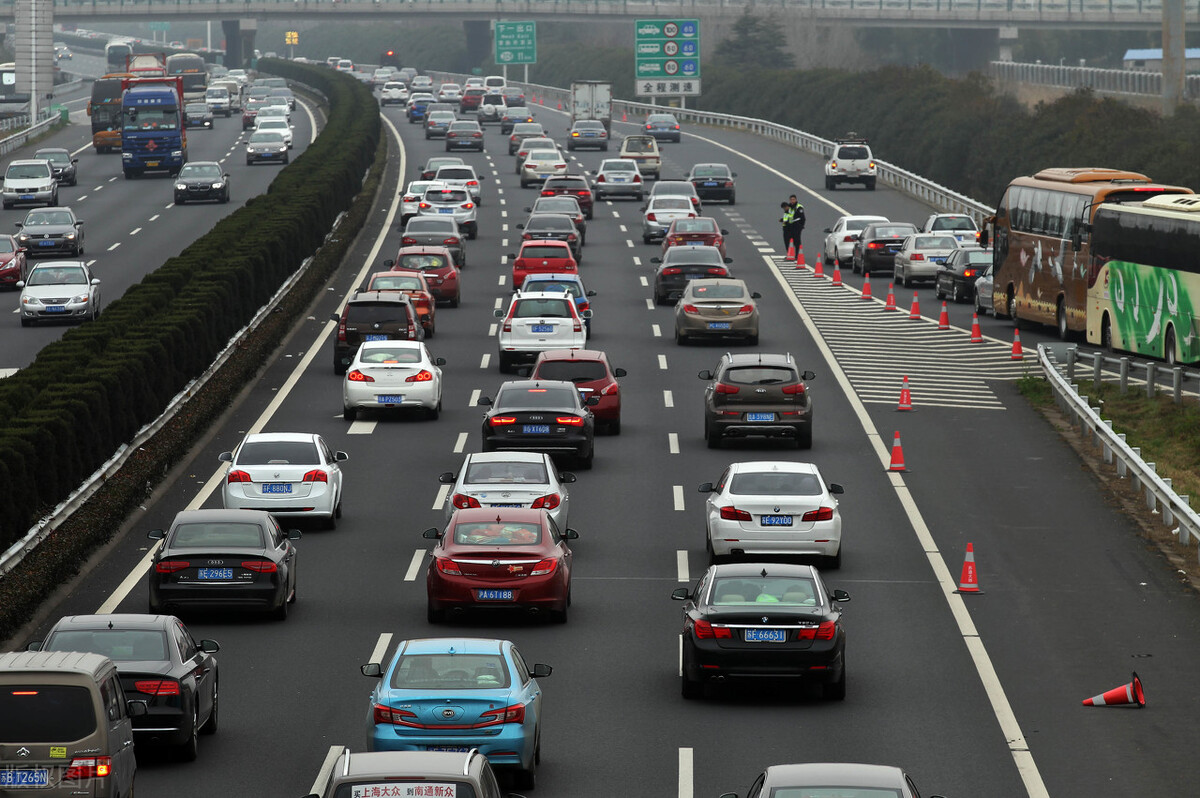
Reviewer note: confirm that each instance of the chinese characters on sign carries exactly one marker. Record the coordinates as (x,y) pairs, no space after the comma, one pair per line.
(516,43)
(400,790)
(675,88)
(667,53)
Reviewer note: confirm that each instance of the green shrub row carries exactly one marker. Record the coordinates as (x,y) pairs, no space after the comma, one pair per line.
(89,392)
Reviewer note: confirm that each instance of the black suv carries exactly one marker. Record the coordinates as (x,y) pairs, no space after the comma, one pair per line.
(373,316)
(757,395)
(877,245)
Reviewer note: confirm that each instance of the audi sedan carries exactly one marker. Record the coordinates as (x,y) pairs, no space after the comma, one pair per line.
(773,508)
(51,231)
(717,308)
(285,473)
(228,559)
(509,479)
(680,265)
(59,291)
(756,620)
(587,133)
(540,416)
(464,134)
(506,559)
(833,778)
(958,274)
(387,375)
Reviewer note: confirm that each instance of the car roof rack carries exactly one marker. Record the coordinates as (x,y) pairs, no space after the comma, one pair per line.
(851,138)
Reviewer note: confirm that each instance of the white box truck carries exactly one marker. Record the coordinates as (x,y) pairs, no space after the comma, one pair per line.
(592,99)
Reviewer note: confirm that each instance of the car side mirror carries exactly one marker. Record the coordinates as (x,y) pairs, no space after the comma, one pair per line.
(389,263)
(706,487)
(656,260)
(540,670)
(293,534)
(95,281)
(225,176)
(35,645)
(619,372)
(136,709)
(521,226)
(210,646)
(566,477)
(728,261)
(593,172)
(18,225)
(529,210)
(705,375)
(447,478)
(498,313)
(433,533)
(78,222)
(482,177)
(591,293)
(836,489)
(485,401)
(511,256)
(587,314)
(341,457)
(827,230)
(335,317)
(755,295)
(524,371)
(371,669)
(74,160)
(156,534)
(724,232)
(592,401)
(808,375)
(570,534)
(643,208)
(439,361)
(681,594)
(733,174)
(841,595)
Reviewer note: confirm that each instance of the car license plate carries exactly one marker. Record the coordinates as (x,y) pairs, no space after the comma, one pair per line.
(760,416)
(720,325)
(375,337)
(776,520)
(25,777)
(151,163)
(766,635)
(938,260)
(445,210)
(504,505)
(710,183)
(215,574)
(389,399)
(453,749)
(542,328)
(535,429)
(618,180)
(492,594)
(45,243)
(55,309)
(277,487)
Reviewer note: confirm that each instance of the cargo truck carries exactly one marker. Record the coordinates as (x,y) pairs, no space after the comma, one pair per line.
(153,138)
(592,99)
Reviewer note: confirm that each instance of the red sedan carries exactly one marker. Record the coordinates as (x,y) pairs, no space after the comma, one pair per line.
(437,264)
(542,257)
(510,558)
(12,262)
(700,231)
(571,186)
(590,371)
(412,284)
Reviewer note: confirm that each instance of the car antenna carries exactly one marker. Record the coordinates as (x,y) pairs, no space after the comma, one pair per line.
(110,625)
(763,573)
(498,518)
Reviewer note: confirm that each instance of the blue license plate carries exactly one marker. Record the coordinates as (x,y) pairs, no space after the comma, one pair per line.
(720,325)
(618,179)
(776,520)
(535,429)
(374,337)
(710,183)
(766,635)
(390,399)
(215,574)
(542,328)
(55,309)
(26,197)
(504,505)
(760,416)
(453,749)
(445,210)
(938,260)
(25,777)
(492,594)
(277,487)
(45,243)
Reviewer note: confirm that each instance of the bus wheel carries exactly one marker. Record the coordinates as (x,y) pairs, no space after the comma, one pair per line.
(1061,318)
(1106,340)
(1011,307)
(1169,347)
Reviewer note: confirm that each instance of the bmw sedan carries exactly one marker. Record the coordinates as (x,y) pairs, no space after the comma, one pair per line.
(287,474)
(458,694)
(510,479)
(393,375)
(59,291)
(51,231)
(756,620)
(201,180)
(230,559)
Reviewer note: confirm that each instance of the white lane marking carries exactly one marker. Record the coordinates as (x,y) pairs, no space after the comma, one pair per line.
(440,501)
(82,198)
(673,442)
(629,243)
(474,400)
(637,261)
(623,228)
(169,206)
(461,443)
(649,303)
(502,279)
(381,647)
(656,330)
(331,758)
(81,149)
(134,577)
(492,330)
(662,362)
(485,360)
(91,262)
(677,494)
(154,217)
(114,246)
(499,300)
(361,427)
(1010,728)
(668,399)
(681,566)
(414,567)
(642,279)
(503,214)
(312,126)
(503,201)
(504,227)
(135,231)
(686,789)
(504,242)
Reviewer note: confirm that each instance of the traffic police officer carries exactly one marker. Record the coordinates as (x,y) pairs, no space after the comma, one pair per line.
(795,229)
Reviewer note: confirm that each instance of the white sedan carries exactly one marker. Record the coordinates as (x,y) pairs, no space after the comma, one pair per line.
(392,374)
(510,479)
(839,239)
(539,165)
(276,125)
(921,256)
(767,507)
(292,474)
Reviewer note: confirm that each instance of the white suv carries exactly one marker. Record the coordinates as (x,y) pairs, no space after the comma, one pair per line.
(394,93)
(852,162)
(536,322)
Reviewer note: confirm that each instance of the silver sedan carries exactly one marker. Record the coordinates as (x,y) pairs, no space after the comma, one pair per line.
(510,479)
(658,214)
(920,256)
(285,473)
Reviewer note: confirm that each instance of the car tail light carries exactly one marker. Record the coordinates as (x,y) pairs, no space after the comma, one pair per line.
(675,240)
(526,236)
(260,566)
(968,272)
(690,309)
(720,271)
(826,630)
(833,164)
(583,306)
(448,566)
(583,193)
(546,566)
(671,270)
(649,126)
(547,502)
(726,389)
(425,205)
(560,166)
(547,192)
(792,390)
(316,475)
(728,184)
(734,514)
(92,768)
(569,421)
(875,245)
(462,501)
(575,133)
(408,240)
(916,256)
(410,199)
(157,687)
(820,514)
(450,242)
(871,165)
(744,309)
(578,326)
(571,236)
(358,376)
(706,631)
(848,239)
(599,178)
(424,375)
(637,178)
(514,713)
(466,206)
(677,127)
(507,322)
(237,476)
(502,421)
(610,389)
(170,566)
(651,217)
(383,714)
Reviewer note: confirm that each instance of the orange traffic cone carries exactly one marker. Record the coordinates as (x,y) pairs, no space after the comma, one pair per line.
(891,297)
(542,101)
(1125,694)
(800,264)
(791,254)
(866,292)
(915,311)
(944,319)
(969,581)
(624,117)
(1017,352)
(976,333)
(897,454)
(837,274)
(905,396)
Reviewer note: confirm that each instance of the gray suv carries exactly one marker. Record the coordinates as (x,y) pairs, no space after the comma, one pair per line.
(371,773)
(757,395)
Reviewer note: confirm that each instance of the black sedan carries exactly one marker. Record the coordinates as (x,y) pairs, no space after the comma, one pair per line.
(512,116)
(680,265)
(714,181)
(201,180)
(956,277)
(51,231)
(540,416)
(877,245)
(762,620)
(61,162)
(158,662)
(224,559)
(553,227)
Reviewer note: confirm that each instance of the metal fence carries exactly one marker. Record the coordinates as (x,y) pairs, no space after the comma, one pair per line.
(1147,375)
(17,140)
(1106,81)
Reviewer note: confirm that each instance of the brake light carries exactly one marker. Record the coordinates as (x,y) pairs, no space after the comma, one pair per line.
(424,375)
(157,687)
(792,390)
(677,127)
(571,236)
(507,323)
(425,205)
(560,166)
(547,502)
(466,206)
(575,133)
(820,514)
(408,240)
(547,192)
(671,270)
(382,714)
(260,566)
(968,272)
(871,165)
(569,421)
(462,501)
(450,242)
(448,566)
(728,184)
(237,476)
(637,178)
(92,768)
(171,566)
(584,193)
(916,256)
(358,376)
(648,126)
(734,514)
(826,630)
(744,309)
(726,389)
(316,475)
(546,566)
(690,309)
(706,631)
(510,714)
(718,270)
(526,236)
(875,245)
(599,178)
(651,217)
(578,326)
(410,199)
(502,421)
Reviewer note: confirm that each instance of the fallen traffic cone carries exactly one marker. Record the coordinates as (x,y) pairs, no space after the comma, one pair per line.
(944,319)
(837,274)
(866,292)
(891,297)
(976,333)
(915,311)
(905,396)
(800,264)
(897,454)
(1125,694)
(969,581)
(791,254)
(1017,352)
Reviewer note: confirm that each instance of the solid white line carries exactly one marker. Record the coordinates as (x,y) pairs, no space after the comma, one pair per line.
(681,566)
(381,647)
(485,360)
(331,757)
(312,126)
(114,246)
(461,443)
(677,493)
(361,427)
(642,279)
(673,442)
(662,362)
(656,330)
(414,567)
(668,399)
(440,501)
(686,790)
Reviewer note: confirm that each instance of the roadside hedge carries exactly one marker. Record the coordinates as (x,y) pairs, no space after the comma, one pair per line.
(89,392)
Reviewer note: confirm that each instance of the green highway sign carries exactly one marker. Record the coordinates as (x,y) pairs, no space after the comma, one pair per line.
(667,56)
(516,43)
(158,25)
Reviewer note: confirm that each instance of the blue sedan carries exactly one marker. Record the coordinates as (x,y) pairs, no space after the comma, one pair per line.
(455,694)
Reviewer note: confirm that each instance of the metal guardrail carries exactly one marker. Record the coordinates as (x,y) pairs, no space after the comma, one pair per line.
(18,140)
(1174,509)
(1106,81)
(1155,376)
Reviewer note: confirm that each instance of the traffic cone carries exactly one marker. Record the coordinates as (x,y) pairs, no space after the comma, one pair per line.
(905,396)
(915,311)
(1125,694)
(1017,352)
(541,101)
(891,297)
(897,454)
(837,274)
(866,292)
(969,581)
(976,333)
(944,319)
(559,106)
(624,117)
(800,264)
(791,254)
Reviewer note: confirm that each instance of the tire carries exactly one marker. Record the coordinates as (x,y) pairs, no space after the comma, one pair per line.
(614,427)
(286,157)
(835,561)
(898,278)
(179,202)
(836,691)
(854,268)
(526,778)
(432,615)
(752,340)
(870,184)
(1106,339)
(186,751)
(957,294)
(713,437)
(938,292)
(689,688)
(332,520)
(680,338)
(585,463)
(504,363)
(454,302)
(561,616)
(647,240)
(979,311)
(432,413)
(659,299)
(280,613)
(732,199)
(210,725)
(1060,319)
(804,437)
(829,184)
(26,322)
(1169,348)
(8,206)
(349,413)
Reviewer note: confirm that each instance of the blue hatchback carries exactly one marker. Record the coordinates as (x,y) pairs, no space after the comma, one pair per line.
(455,694)
(571,283)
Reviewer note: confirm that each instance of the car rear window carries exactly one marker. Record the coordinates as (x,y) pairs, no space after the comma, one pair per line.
(760,375)
(450,672)
(39,713)
(701,225)
(388,282)
(982,257)
(431,225)
(853,153)
(571,370)
(773,483)
(277,452)
(553,286)
(538,308)
(455,173)
(544,251)
(953,223)
(445,195)
(717,292)
(765,590)
(497,534)
(672,204)
(506,472)
(682,256)
(567,205)
(119,645)
(551,222)
(198,536)
(619,166)
(531,128)
(368,313)
(536,398)
(710,171)
(935,242)
(638,145)
(894,232)
(857,224)
(381,354)
(422,262)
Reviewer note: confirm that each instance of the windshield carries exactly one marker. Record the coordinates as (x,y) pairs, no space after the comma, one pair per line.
(43,713)
(395,282)
(501,472)
(48,217)
(195,109)
(197,170)
(935,242)
(716,291)
(119,645)
(852,153)
(58,275)
(266,137)
(273,124)
(701,225)
(149,117)
(6,244)
(29,171)
(62,157)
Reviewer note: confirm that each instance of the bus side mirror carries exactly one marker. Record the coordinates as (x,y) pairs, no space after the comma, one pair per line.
(1077,240)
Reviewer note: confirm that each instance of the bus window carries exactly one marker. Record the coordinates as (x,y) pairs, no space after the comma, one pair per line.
(1037,211)
(1054,219)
